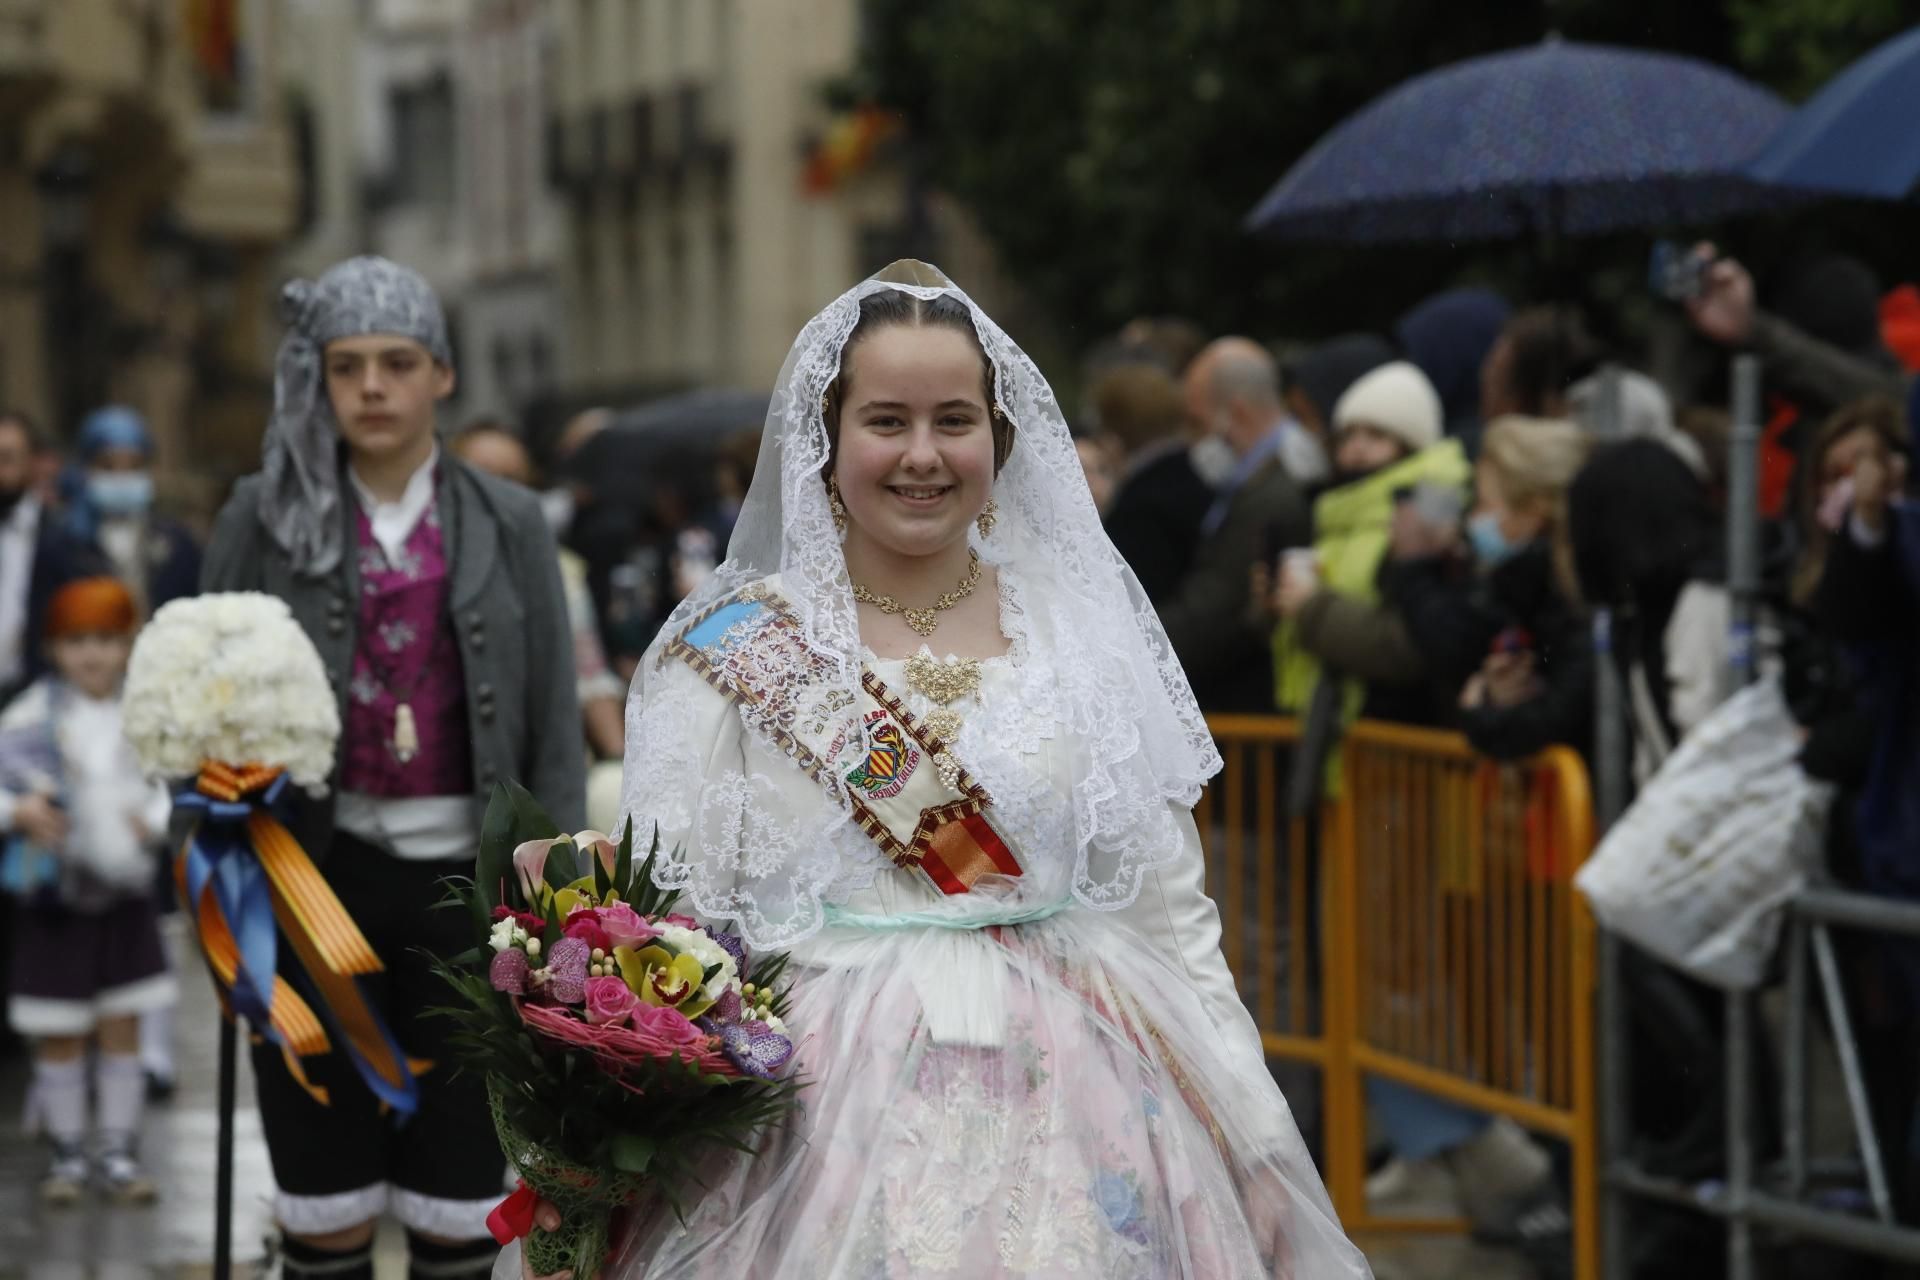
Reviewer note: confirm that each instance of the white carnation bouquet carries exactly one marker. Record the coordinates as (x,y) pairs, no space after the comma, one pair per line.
(230,677)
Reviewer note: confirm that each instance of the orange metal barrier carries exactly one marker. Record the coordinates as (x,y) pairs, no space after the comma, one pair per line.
(1431,935)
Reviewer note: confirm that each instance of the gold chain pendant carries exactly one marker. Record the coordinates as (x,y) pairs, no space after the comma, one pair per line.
(943,682)
(943,724)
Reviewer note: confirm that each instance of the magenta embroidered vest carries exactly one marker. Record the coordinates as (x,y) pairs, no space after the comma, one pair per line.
(406,667)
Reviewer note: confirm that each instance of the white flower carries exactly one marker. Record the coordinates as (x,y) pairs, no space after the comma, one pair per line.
(233,678)
(704,949)
(773,1023)
(502,936)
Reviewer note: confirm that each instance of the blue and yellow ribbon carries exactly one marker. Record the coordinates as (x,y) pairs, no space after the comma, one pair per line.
(247,883)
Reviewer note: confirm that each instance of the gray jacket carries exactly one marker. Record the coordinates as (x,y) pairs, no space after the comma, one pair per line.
(510,617)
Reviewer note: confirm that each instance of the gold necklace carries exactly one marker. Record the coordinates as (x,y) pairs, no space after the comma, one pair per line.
(923,621)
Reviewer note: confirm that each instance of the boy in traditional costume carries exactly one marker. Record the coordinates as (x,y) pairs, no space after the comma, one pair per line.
(432,594)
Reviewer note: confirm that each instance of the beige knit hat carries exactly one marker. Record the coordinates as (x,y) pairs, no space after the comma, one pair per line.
(1395,398)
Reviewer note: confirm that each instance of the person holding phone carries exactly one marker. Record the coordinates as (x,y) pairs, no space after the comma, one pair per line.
(1864,595)
(1338,651)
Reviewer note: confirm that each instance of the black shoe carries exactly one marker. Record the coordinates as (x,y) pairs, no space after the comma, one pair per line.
(160,1088)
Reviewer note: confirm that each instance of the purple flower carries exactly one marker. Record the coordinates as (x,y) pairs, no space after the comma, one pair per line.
(508,971)
(728,1008)
(756,1048)
(567,970)
(732,945)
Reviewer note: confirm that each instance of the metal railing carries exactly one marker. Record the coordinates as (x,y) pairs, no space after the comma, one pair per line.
(1429,936)
(1746,1196)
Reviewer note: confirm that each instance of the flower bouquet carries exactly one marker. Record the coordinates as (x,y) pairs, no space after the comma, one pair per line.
(226,694)
(620,1042)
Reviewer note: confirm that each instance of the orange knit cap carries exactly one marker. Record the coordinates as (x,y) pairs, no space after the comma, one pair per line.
(91,606)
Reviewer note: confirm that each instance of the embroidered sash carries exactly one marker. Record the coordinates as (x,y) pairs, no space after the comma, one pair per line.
(866,749)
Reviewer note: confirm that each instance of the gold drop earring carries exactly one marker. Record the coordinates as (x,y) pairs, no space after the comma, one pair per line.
(989,516)
(836,508)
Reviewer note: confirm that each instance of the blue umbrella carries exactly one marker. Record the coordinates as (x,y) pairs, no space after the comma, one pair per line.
(1858,136)
(1559,138)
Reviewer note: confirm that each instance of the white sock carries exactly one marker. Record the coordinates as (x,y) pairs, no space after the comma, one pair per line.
(60,1093)
(121,1085)
(156,1041)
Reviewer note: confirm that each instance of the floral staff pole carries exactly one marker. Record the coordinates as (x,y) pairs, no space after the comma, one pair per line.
(227,690)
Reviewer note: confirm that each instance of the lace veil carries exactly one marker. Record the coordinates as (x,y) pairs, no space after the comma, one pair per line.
(751,847)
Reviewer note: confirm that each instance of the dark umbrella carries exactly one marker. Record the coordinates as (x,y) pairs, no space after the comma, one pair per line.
(678,436)
(1559,138)
(1857,136)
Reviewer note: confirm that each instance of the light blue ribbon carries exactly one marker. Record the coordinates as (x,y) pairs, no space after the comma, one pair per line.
(836,917)
(221,852)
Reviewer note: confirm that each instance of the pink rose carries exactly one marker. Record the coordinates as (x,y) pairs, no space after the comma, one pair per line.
(625,927)
(584,924)
(610,1001)
(685,922)
(668,1025)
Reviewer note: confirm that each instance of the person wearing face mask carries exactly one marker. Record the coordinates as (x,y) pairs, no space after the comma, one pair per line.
(1233,397)
(1507,637)
(493,447)
(113,513)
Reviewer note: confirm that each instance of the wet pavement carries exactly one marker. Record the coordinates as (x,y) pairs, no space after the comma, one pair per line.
(173,1238)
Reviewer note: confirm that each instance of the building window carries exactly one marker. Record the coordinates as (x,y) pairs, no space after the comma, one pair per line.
(423,128)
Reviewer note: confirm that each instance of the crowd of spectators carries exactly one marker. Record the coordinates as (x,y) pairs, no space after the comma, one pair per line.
(1420,524)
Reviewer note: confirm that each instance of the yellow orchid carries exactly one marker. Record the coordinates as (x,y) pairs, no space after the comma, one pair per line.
(581,894)
(661,978)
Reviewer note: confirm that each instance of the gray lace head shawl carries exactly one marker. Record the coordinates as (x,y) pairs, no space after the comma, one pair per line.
(301,505)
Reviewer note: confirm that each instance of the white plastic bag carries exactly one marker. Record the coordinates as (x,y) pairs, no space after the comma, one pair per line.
(1698,870)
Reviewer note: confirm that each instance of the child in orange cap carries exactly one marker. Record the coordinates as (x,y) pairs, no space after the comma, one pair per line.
(87,957)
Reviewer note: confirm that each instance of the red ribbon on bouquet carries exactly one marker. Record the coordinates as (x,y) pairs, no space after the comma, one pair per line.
(512,1218)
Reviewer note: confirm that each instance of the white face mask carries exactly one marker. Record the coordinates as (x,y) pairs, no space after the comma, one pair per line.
(1213,459)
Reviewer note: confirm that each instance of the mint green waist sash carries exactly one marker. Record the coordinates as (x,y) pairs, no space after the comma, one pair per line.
(987,918)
